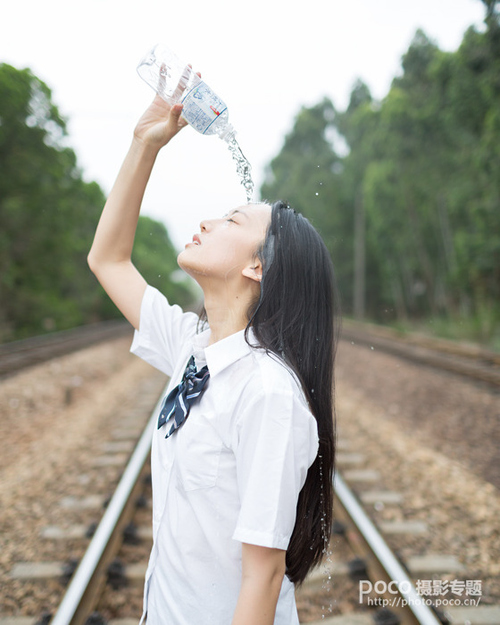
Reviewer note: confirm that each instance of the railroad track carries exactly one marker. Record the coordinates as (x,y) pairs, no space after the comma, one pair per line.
(363,550)
(462,359)
(364,557)
(19,355)
(82,595)
(467,360)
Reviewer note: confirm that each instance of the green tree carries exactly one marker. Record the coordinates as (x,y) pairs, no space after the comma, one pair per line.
(307,173)
(156,258)
(48,215)
(417,190)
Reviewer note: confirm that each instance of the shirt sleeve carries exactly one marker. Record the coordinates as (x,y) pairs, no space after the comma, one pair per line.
(163,329)
(275,443)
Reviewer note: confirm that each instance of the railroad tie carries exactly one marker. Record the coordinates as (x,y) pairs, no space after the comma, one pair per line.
(385,497)
(75,532)
(361,475)
(344,459)
(345,619)
(39,571)
(403,527)
(433,563)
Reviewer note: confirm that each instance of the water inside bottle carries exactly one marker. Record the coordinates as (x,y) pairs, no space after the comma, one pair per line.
(243,167)
(203,109)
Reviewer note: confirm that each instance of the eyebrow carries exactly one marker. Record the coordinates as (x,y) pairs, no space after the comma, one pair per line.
(233,212)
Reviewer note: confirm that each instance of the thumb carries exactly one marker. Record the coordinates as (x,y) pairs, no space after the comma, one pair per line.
(176,111)
(175,117)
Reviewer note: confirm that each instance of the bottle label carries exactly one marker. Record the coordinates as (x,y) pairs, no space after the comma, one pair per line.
(202,107)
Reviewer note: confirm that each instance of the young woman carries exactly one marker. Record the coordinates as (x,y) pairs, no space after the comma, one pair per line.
(243,455)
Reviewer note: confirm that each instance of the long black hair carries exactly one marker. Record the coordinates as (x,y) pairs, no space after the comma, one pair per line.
(297,318)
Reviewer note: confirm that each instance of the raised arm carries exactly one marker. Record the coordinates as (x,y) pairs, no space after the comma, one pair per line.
(110,255)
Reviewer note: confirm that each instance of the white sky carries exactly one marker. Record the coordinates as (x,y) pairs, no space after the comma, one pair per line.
(265,58)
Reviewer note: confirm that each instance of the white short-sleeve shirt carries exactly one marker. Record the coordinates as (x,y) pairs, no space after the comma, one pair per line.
(231,474)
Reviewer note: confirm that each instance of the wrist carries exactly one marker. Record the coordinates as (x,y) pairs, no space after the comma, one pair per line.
(144,149)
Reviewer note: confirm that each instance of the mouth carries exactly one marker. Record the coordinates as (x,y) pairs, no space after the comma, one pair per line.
(195,241)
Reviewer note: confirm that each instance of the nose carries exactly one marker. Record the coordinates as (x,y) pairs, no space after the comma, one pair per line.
(207,224)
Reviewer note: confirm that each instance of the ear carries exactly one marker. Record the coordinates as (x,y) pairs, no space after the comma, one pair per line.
(253,271)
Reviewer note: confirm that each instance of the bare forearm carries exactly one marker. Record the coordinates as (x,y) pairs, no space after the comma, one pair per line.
(115,233)
(110,255)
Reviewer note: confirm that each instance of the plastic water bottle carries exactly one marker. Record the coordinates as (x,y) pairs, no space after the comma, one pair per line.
(202,108)
(176,82)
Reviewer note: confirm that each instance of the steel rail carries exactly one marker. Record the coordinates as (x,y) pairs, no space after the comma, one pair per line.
(90,573)
(480,365)
(471,351)
(24,353)
(422,614)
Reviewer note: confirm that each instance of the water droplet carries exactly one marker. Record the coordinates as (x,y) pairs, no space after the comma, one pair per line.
(243,167)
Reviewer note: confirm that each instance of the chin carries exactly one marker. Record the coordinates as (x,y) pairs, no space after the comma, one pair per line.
(187,265)
(183,262)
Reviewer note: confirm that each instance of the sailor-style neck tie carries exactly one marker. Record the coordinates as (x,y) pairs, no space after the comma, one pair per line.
(178,402)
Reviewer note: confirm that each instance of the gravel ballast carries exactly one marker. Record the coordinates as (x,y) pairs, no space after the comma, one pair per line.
(433,437)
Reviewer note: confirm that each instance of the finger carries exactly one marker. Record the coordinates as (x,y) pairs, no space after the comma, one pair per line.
(175,116)
(183,81)
(176,110)
(161,78)
(197,73)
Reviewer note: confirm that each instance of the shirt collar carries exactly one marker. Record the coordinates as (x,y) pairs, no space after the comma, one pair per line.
(225,352)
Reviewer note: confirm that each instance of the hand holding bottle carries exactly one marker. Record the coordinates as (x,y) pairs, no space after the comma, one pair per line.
(178,86)
(175,82)
(163,120)
(159,123)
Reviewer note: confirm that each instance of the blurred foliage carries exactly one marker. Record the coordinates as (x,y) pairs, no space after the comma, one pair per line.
(48,216)
(423,164)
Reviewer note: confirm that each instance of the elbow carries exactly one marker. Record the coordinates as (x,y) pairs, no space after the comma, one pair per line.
(95,264)
(277,570)
(277,576)
(91,262)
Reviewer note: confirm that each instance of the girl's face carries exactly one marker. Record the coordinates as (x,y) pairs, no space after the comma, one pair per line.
(225,248)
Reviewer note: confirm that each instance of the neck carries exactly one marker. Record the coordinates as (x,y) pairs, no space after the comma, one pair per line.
(226,312)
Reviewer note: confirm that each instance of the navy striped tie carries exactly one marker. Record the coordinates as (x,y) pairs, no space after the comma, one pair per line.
(178,402)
